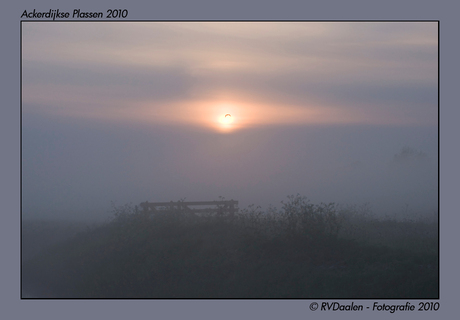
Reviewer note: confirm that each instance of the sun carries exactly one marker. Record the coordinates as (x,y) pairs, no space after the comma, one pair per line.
(228,119)
(226,122)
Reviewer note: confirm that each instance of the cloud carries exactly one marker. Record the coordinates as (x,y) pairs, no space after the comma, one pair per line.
(376,73)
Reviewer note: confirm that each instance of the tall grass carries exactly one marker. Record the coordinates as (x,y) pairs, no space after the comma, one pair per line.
(300,251)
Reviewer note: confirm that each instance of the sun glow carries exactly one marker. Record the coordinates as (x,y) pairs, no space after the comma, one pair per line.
(229,117)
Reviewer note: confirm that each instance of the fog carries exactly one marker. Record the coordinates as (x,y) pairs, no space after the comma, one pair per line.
(344,114)
(72,169)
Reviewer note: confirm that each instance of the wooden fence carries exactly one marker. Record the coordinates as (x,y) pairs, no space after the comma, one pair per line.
(211,207)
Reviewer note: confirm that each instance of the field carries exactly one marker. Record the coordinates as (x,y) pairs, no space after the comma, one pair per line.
(300,251)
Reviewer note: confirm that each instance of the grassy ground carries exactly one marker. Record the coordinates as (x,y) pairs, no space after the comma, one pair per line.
(302,251)
(39,235)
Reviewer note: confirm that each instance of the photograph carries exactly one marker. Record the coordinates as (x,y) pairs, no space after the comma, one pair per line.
(288,159)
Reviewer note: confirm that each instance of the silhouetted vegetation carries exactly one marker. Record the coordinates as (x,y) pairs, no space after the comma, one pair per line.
(300,251)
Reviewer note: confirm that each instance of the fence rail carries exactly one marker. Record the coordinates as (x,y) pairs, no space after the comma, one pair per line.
(218,207)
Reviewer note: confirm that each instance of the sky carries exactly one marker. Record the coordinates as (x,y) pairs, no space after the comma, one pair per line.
(125,112)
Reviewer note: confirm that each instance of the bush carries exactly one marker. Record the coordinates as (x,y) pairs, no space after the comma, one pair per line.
(309,220)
